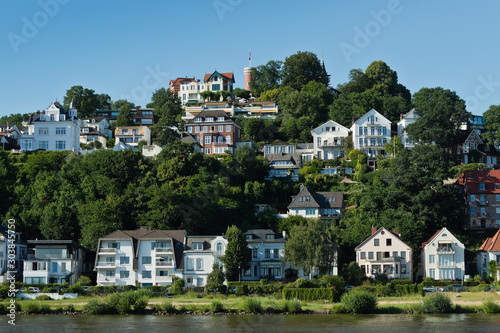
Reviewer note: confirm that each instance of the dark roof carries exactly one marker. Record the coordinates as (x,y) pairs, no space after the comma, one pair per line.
(97,118)
(188,138)
(259,236)
(92,131)
(54,242)
(211,113)
(207,245)
(295,158)
(318,199)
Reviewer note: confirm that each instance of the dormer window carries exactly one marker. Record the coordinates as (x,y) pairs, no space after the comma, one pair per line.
(197,120)
(198,246)
(61,117)
(270,236)
(482,186)
(42,117)
(52,117)
(249,236)
(220,118)
(209,119)
(304,199)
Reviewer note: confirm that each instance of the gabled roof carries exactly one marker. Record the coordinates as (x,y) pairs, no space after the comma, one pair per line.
(260,236)
(228,76)
(330,123)
(317,199)
(491,244)
(294,158)
(212,113)
(364,117)
(376,233)
(471,179)
(436,235)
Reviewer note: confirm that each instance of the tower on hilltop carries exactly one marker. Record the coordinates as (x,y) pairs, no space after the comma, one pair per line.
(247,71)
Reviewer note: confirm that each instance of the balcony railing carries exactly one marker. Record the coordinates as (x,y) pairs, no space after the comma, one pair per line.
(165,263)
(106,264)
(449,265)
(163,250)
(106,279)
(330,144)
(221,143)
(446,251)
(107,250)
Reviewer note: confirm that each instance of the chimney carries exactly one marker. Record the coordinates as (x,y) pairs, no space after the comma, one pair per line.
(144,227)
(374,230)
(396,233)
(400,116)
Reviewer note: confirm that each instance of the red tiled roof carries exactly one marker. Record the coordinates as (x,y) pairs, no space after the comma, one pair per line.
(430,239)
(229,76)
(491,244)
(180,80)
(472,178)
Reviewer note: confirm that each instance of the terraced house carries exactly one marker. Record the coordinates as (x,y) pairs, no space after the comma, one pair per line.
(144,256)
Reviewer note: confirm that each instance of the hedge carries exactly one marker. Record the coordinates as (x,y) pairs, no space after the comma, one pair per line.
(447,283)
(311,294)
(257,287)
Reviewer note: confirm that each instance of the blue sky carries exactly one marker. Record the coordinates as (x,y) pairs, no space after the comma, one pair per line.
(128,49)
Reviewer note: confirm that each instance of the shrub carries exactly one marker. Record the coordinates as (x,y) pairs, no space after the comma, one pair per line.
(31,307)
(83,280)
(141,304)
(216,306)
(167,307)
(251,305)
(311,294)
(45,308)
(69,308)
(241,290)
(438,303)
(178,285)
(123,305)
(490,306)
(292,307)
(359,302)
(95,307)
(43,298)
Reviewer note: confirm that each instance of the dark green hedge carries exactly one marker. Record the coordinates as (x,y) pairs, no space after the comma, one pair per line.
(311,294)
(257,287)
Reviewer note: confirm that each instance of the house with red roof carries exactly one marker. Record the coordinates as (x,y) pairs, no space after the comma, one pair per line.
(489,250)
(482,194)
(443,256)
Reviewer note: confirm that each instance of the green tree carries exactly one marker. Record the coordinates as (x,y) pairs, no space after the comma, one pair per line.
(236,256)
(168,113)
(440,114)
(353,274)
(124,117)
(492,124)
(311,246)
(394,147)
(216,278)
(207,95)
(266,77)
(104,101)
(493,269)
(301,68)
(86,101)
(241,93)
(117,105)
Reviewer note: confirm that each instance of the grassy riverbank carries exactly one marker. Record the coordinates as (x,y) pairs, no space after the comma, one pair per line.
(192,304)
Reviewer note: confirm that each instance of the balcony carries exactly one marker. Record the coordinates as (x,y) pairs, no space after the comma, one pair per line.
(327,144)
(387,259)
(448,265)
(167,279)
(483,202)
(105,250)
(447,250)
(106,264)
(372,122)
(163,250)
(483,215)
(32,256)
(165,263)
(106,279)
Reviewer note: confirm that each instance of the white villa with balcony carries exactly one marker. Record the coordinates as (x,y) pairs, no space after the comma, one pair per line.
(200,253)
(144,256)
(370,132)
(385,253)
(328,139)
(443,256)
(50,261)
(406,119)
(131,135)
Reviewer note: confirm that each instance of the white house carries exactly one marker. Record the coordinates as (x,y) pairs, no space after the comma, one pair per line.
(385,253)
(328,139)
(370,132)
(283,160)
(151,150)
(489,250)
(200,253)
(322,205)
(100,124)
(267,251)
(406,119)
(443,256)
(144,256)
(50,261)
(53,129)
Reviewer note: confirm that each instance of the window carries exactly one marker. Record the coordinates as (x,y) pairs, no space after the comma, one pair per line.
(220,119)
(268,253)
(388,242)
(124,274)
(395,253)
(497,210)
(432,258)
(376,242)
(432,273)
(190,129)
(114,245)
(209,119)
(310,211)
(146,260)
(215,87)
(379,255)
(482,186)
(198,246)
(208,151)
(228,128)
(199,264)
(207,140)
(146,274)
(197,129)
(60,145)
(197,120)
(276,253)
(190,265)
(403,269)
(124,260)
(60,131)
(363,255)
(387,254)
(254,253)
(205,128)
(43,145)
(497,197)
(403,254)
(54,267)
(228,139)
(370,255)
(110,273)
(43,131)
(473,210)
(221,128)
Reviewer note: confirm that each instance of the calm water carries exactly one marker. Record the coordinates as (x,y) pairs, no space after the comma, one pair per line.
(260,323)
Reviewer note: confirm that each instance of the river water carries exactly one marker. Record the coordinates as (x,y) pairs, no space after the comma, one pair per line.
(256,323)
